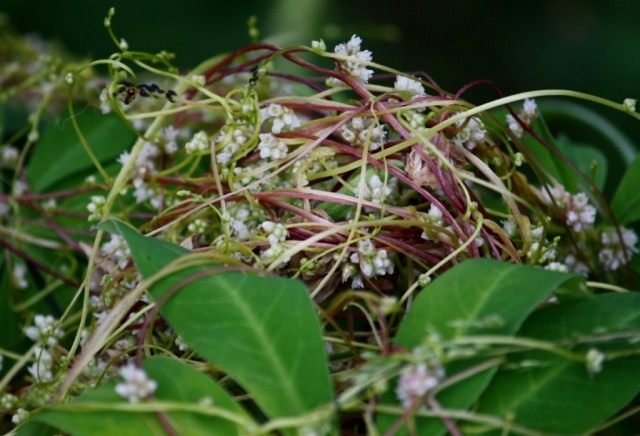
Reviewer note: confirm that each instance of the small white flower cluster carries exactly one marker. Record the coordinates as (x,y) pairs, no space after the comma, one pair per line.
(405,84)
(45,333)
(197,226)
(8,156)
(42,368)
(377,191)
(472,134)
(170,139)
(137,385)
(241,221)
(276,234)
(630,104)
(557,266)
(20,416)
(45,330)
(612,255)
(232,141)
(199,143)
(144,167)
(370,261)
(528,115)
(416,380)
(271,147)
(282,118)
(579,214)
(95,207)
(19,275)
(434,217)
(116,249)
(541,251)
(105,104)
(416,120)
(8,401)
(354,65)
(594,360)
(576,266)
(362,132)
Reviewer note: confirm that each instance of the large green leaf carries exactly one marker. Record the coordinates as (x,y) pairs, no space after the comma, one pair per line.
(560,396)
(459,303)
(262,331)
(177,383)
(626,202)
(60,154)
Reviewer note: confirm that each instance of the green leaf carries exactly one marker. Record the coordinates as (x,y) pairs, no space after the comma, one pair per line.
(60,154)
(262,331)
(590,160)
(561,396)
(626,201)
(478,296)
(563,155)
(177,383)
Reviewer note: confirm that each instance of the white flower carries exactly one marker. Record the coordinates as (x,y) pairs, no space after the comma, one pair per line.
(271,147)
(117,250)
(412,86)
(276,232)
(529,110)
(19,275)
(282,118)
(354,65)
(41,368)
(199,143)
(8,155)
(527,115)
(8,401)
(372,262)
(434,217)
(472,134)
(136,386)
(579,214)
(376,190)
(181,344)
(415,381)
(630,104)
(576,266)
(95,207)
(612,255)
(363,131)
(170,136)
(20,416)
(594,360)
(557,266)
(45,330)
(232,143)
(198,226)
(240,220)
(319,45)
(105,104)
(514,126)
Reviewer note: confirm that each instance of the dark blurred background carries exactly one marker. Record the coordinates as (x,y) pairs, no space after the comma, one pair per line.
(586,45)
